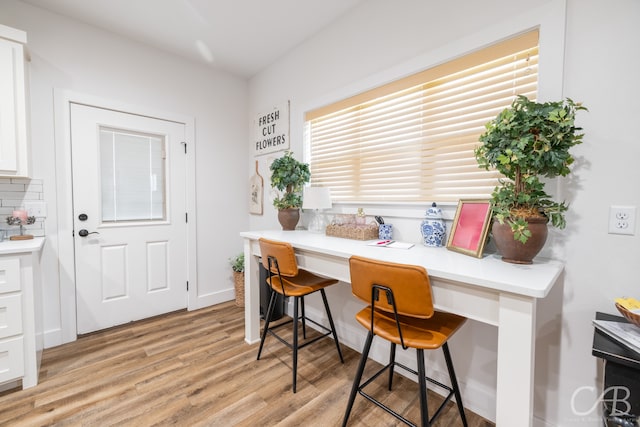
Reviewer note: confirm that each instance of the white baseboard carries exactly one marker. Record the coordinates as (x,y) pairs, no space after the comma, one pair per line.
(213,298)
(10,385)
(537,422)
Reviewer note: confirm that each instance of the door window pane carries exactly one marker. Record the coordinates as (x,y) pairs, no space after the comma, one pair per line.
(132,170)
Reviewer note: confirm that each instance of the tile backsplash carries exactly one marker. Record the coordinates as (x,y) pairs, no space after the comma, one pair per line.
(13,193)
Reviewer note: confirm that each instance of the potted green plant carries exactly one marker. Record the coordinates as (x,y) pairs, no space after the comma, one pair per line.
(526,142)
(237,265)
(288,176)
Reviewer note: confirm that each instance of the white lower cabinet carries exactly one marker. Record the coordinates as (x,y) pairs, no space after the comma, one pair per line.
(21,339)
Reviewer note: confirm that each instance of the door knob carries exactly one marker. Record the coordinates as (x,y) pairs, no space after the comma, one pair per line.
(85,233)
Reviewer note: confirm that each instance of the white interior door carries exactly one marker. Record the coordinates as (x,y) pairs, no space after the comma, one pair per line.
(129,208)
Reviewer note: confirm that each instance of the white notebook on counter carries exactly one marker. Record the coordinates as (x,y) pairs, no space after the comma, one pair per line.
(390,244)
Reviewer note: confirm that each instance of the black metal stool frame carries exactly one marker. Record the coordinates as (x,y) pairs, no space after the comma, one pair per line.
(358,388)
(294,346)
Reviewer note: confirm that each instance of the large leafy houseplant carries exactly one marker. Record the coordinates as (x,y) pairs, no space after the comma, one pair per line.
(525,142)
(288,175)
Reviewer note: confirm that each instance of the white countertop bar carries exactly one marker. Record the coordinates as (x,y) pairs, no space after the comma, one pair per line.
(535,280)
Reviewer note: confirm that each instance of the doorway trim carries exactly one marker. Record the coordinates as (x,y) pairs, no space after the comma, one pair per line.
(66,265)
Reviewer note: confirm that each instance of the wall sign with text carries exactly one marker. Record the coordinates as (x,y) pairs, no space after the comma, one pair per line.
(272,130)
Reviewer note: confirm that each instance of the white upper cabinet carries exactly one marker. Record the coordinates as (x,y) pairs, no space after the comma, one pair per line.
(14,137)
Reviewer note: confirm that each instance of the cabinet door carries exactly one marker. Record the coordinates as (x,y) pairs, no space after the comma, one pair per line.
(9,274)
(10,315)
(13,113)
(11,359)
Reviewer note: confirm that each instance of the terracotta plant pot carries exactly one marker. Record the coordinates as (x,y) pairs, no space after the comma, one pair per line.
(515,251)
(289,218)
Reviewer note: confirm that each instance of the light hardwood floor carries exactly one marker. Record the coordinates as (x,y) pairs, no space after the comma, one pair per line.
(194,369)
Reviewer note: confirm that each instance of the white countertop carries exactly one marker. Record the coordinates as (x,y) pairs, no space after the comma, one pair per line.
(20,246)
(535,280)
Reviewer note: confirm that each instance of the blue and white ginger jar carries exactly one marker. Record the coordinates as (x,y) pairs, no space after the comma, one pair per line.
(433,228)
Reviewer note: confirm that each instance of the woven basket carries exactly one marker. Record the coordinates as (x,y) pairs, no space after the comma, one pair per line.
(238,281)
(631,317)
(356,232)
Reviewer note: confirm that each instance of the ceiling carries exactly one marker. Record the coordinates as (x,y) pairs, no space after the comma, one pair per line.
(239,36)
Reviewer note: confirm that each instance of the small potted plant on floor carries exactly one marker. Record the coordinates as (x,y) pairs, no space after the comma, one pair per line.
(526,142)
(237,265)
(288,176)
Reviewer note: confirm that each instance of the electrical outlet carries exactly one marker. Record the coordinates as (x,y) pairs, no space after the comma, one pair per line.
(622,215)
(622,220)
(37,208)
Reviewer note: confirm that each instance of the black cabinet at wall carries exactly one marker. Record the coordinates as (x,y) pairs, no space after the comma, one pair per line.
(621,398)
(265,295)
(622,395)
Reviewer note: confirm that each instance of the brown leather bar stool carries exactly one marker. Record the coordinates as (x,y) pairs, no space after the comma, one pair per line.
(401,311)
(285,278)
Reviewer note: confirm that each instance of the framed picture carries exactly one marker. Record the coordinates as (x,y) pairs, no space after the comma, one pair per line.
(470,227)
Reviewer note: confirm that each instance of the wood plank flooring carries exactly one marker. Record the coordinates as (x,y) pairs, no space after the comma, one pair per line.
(194,369)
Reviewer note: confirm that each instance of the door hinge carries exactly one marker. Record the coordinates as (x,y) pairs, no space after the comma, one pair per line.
(187,285)
(185,146)
(186,217)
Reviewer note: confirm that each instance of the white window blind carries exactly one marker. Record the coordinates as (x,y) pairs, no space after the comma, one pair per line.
(132,171)
(412,140)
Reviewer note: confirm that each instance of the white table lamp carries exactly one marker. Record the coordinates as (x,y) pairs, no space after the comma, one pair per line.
(316,198)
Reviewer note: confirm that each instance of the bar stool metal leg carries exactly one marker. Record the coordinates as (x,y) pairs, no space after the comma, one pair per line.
(392,361)
(304,319)
(422,381)
(454,382)
(358,377)
(333,326)
(295,341)
(267,320)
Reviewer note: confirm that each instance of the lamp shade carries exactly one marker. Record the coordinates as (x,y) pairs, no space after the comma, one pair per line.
(316,198)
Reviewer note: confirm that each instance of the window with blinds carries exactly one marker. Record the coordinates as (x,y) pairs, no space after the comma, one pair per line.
(412,140)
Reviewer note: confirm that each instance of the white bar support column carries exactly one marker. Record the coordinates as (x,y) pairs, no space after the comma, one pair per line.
(516,350)
(251,295)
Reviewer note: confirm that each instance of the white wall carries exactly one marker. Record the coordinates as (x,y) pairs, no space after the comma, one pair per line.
(381,40)
(602,59)
(71,56)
